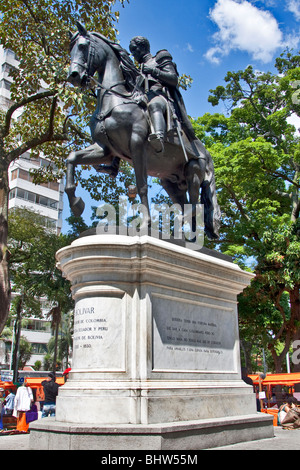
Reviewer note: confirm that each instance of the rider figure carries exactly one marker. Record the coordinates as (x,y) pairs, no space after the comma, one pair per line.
(159,74)
(160,84)
(161,87)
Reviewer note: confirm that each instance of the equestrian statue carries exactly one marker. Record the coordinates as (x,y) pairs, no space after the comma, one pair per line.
(140,117)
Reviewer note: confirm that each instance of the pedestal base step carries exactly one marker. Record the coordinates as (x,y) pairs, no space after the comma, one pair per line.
(48,434)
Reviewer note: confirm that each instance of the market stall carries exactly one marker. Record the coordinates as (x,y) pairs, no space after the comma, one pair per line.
(271,380)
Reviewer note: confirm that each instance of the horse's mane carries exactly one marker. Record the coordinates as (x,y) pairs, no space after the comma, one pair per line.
(127,66)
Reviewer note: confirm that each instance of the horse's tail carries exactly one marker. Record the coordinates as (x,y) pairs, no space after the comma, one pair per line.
(212,212)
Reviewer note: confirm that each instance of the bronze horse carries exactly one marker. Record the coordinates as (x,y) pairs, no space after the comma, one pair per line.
(120,128)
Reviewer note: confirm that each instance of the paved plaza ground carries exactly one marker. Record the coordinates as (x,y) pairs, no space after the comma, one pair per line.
(283,440)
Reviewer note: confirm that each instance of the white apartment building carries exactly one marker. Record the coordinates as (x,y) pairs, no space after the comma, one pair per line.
(46,199)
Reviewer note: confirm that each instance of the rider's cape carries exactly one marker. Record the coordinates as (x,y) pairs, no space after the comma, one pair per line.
(165,62)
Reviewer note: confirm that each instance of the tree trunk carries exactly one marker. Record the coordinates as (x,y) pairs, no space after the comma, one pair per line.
(17,328)
(55,348)
(295,309)
(4,254)
(56,319)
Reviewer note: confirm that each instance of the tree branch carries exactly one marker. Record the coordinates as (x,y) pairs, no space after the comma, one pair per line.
(23,102)
(238,204)
(34,143)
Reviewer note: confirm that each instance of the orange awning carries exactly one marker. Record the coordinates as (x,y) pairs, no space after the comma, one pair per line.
(254,378)
(35,382)
(282,379)
(6,385)
(277,379)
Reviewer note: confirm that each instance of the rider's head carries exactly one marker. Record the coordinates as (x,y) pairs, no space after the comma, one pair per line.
(139,47)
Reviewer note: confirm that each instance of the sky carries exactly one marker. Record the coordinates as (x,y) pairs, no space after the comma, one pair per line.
(208,38)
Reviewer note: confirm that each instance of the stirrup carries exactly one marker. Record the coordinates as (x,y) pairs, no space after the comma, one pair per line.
(157,142)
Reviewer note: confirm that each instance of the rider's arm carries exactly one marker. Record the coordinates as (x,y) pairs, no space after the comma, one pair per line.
(163,69)
(166,75)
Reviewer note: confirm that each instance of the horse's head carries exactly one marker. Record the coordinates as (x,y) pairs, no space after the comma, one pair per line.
(82,53)
(91,52)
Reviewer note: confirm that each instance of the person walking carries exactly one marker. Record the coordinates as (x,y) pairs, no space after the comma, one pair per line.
(51,391)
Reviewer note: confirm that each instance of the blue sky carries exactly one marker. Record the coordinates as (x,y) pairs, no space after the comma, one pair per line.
(207,38)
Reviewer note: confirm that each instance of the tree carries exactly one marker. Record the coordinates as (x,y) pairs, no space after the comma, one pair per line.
(38,116)
(34,273)
(59,348)
(25,352)
(257,163)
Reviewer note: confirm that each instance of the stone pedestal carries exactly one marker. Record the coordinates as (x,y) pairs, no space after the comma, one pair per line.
(155,352)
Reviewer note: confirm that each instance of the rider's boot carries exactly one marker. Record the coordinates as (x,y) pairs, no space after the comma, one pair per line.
(157,141)
(156,138)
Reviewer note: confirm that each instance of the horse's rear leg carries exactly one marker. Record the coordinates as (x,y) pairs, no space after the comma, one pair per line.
(195,173)
(176,194)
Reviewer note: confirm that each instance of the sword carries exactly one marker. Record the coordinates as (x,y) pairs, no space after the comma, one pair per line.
(176,121)
(145,76)
(179,135)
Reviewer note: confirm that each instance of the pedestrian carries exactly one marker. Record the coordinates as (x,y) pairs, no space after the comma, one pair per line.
(22,404)
(66,374)
(285,408)
(51,391)
(2,398)
(9,403)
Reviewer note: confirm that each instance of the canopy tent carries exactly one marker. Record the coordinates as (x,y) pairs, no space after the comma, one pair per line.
(282,379)
(32,382)
(277,379)
(254,378)
(35,382)
(6,385)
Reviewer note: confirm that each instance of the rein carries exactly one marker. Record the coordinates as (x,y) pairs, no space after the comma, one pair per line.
(99,86)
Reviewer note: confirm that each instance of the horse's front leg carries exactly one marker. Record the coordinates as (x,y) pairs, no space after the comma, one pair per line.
(76,203)
(89,156)
(138,146)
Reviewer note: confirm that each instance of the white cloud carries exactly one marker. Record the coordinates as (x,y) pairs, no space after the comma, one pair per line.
(291,40)
(189,47)
(295,121)
(294,7)
(243,27)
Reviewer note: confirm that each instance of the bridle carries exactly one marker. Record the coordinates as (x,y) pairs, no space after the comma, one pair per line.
(87,70)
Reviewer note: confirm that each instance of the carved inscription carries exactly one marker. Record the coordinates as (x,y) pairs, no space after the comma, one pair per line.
(191,336)
(87,327)
(98,341)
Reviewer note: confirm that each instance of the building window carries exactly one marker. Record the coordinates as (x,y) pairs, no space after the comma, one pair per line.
(25,175)
(5,84)
(10,53)
(34,198)
(53,185)
(12,193)
(14,174)
(39,348)
(36,325)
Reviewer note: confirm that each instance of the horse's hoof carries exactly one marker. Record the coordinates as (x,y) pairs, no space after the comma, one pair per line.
(77,206)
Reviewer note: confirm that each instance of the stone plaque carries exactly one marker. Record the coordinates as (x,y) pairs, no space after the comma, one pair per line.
(191,336)
(99,334)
